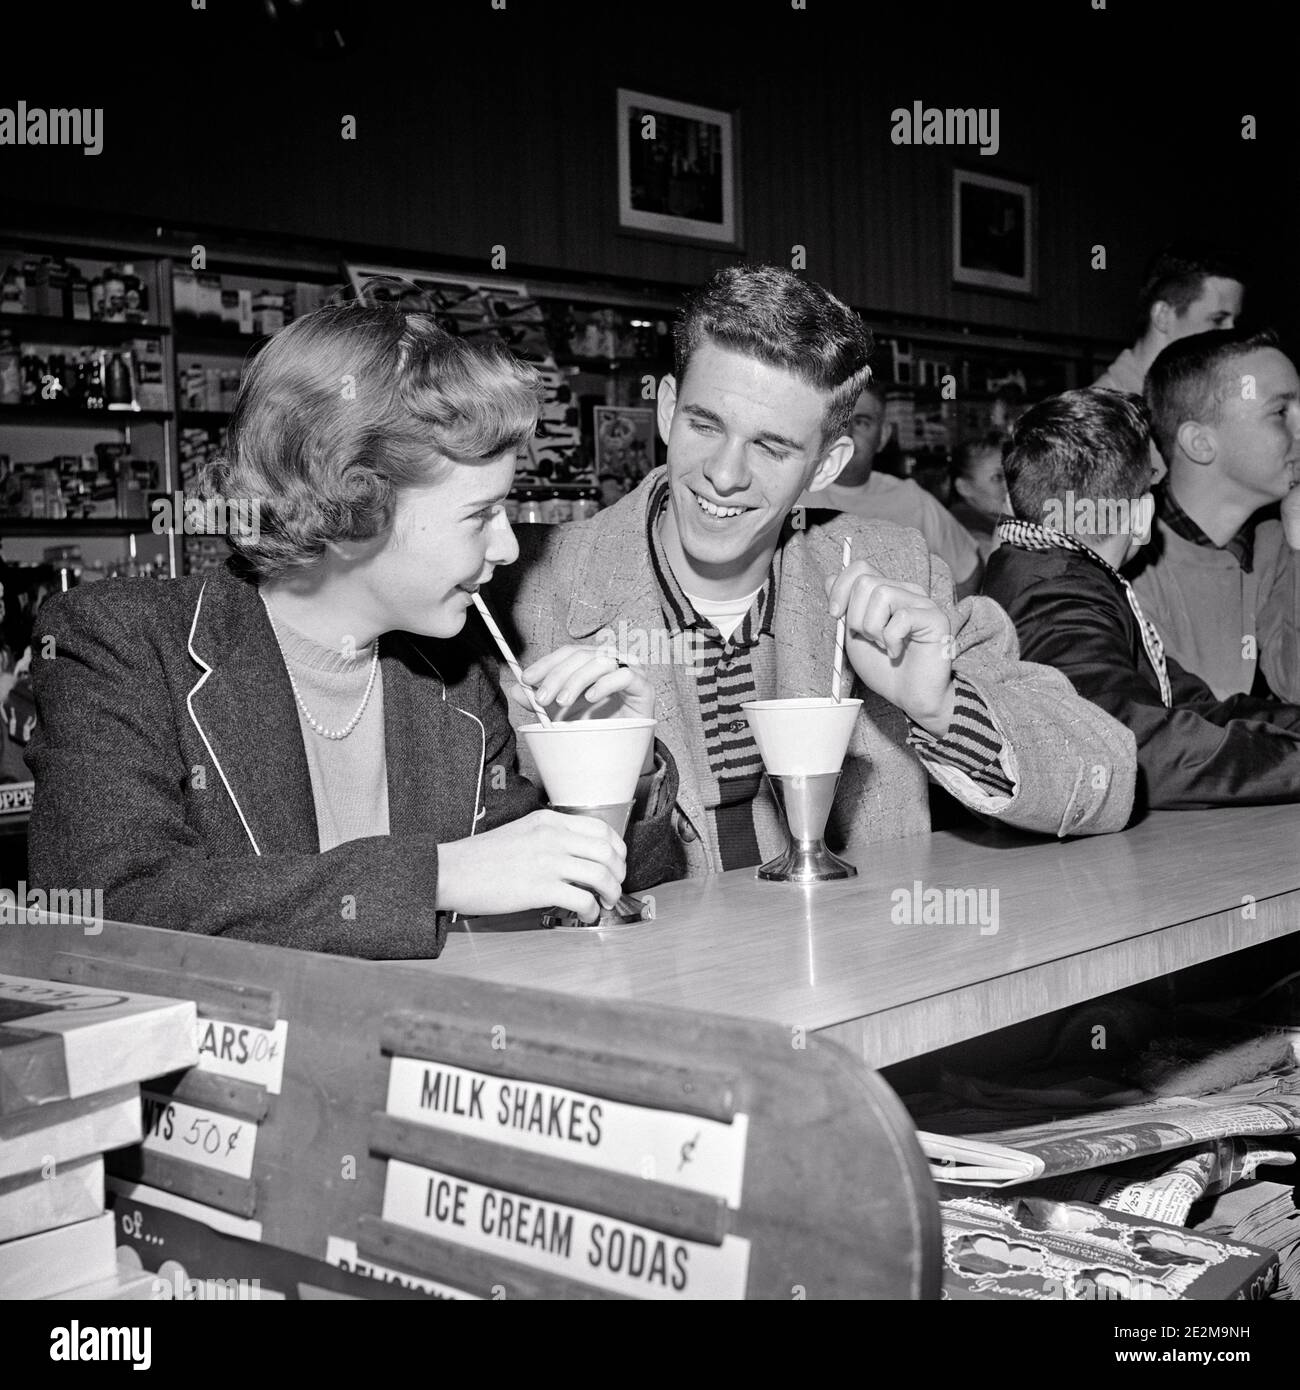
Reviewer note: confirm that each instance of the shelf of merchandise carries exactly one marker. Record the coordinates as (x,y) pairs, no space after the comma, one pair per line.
(40,328)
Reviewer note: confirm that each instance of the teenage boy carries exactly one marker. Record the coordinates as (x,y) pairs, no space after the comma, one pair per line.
(1221,581)
(1079,476)
(1187,289)
(703,573)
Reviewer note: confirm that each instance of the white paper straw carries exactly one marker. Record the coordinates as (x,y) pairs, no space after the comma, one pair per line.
(837,676)
(504,648)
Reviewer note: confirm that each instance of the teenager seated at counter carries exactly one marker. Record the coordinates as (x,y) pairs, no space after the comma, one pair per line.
(1221,579)
(1079,475)
(730,598)
(980,490)
(295,749)
(862,490)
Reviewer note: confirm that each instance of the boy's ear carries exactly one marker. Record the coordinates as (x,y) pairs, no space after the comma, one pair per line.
(1199,442)
(1162,317)
(833,462)
(666,404)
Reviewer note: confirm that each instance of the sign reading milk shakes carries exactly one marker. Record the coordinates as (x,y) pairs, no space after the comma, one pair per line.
(685,1151)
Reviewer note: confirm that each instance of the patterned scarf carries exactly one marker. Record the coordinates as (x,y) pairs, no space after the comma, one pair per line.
(1028,536)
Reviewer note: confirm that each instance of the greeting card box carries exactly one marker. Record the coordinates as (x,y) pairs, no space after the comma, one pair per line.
(63,1041)
(1003,1246)
(53,1261)
(42,1200)
(64,1130)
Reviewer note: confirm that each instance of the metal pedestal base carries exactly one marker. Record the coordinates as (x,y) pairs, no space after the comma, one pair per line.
(805,804)
(628,910)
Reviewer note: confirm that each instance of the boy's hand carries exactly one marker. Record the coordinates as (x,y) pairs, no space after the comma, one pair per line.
(898,640)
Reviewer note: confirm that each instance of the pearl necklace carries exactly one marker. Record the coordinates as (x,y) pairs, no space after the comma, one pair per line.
(316,726)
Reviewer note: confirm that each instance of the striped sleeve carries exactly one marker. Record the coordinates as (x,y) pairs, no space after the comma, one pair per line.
(972,744)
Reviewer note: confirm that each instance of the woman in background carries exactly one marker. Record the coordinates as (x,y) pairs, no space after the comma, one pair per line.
(296,749)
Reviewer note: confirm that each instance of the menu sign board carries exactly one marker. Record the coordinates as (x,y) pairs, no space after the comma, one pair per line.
(580,1245)
(659,1145)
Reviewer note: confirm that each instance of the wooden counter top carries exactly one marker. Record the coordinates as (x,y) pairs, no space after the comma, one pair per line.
(1075,919)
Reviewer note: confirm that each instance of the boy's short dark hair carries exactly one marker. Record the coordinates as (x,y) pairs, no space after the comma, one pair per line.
(1177,273)
(1093,442)
(769,313)
(1192,378)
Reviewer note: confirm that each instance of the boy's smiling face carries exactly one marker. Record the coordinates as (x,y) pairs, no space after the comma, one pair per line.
(744,442)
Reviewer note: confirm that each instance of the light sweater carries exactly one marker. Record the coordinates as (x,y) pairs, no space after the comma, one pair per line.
(1123,374)
(906,503)
(1217,620)
(349,776)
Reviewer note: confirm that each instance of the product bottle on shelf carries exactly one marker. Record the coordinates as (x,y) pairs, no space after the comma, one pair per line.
(70,395)
(33,370)
(135,297)
(587,504)
(13,290)
(11,376)
(92,380)
(114,295)
(118,384)
(76,296)
(530,506)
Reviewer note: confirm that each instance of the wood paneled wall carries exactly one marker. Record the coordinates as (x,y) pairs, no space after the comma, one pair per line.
(459,153)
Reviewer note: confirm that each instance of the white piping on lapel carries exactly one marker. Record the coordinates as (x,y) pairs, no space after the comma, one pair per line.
(198,685)
(480,801)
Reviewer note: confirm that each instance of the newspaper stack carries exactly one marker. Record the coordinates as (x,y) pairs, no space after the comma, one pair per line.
(71,1060)
(1263,1213)
(1015,1138)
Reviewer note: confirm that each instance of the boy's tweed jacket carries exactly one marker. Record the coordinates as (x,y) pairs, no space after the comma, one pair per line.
(170,772)
(1074,765)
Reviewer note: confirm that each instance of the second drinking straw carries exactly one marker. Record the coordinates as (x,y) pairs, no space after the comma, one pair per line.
(837,677)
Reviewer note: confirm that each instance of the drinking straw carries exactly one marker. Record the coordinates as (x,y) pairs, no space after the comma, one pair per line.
(509,656)
(837,677)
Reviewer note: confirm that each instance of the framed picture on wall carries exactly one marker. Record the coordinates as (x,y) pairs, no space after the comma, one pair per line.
(677,170)
(992,232)
(625,448)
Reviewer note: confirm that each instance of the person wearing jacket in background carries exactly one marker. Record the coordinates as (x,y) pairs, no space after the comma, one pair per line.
(1079,475)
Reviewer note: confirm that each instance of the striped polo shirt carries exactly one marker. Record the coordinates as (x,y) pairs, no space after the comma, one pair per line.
(726,674)
(730,672)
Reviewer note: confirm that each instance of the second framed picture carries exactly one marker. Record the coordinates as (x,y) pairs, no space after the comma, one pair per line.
(677,170)
(993,233)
